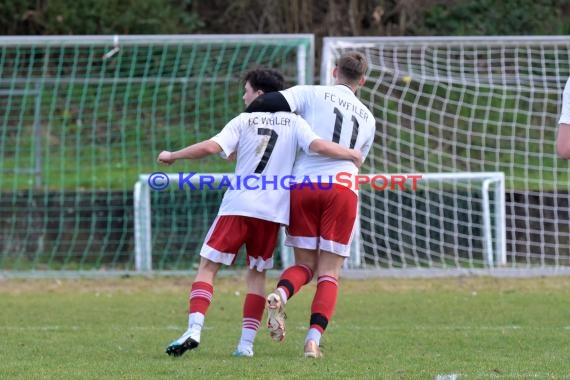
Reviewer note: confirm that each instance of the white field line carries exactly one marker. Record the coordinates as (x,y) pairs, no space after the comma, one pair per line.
(443,328)
(87,327)
(514,375)
(452,376)
(294,326)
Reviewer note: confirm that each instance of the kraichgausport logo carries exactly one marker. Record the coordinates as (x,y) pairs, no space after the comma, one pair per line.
(194,181)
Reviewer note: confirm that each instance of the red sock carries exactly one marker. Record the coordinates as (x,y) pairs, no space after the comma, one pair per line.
(200,297)
(324,302)
(253,308)
(293,278)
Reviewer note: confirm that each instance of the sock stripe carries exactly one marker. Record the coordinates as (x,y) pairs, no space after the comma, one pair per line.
(285,283)
(319,321)
(199,293)
(251,323)
(327,278)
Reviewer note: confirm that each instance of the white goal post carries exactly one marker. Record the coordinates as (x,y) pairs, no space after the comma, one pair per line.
(487,211)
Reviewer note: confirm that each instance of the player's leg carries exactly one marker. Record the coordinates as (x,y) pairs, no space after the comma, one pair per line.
(290,282)
(201,294)
(337,228)
(260,245)
(253,308)
(297,275)
(302,235)
(223,241)
(324,301)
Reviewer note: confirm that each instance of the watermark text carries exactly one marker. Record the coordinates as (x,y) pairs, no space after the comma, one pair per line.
(195,181)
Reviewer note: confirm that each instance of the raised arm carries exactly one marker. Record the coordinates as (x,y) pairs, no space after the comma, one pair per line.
(334,150)
(198,150)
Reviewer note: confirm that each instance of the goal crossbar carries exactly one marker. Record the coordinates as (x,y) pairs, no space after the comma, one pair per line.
(494,248)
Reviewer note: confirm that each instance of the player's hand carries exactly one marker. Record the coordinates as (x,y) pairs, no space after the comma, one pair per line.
(356,157)
(165,158)
(232,157)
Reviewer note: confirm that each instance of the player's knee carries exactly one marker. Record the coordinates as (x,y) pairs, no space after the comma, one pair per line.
(208,266)
(307,258)
(330,264)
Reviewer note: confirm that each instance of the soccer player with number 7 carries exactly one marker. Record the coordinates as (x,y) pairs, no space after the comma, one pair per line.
(251,215)
(322,222)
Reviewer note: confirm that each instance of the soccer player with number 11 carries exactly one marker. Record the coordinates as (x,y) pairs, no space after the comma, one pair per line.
(322,223)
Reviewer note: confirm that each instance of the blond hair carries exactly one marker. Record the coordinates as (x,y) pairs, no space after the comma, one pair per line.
(352,66)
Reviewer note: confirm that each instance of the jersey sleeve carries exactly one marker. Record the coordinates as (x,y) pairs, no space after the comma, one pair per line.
(565,113)
(305,135)
(228,137)
(298,97)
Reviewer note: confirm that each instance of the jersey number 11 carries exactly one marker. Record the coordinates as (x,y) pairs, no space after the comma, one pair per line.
(338,129)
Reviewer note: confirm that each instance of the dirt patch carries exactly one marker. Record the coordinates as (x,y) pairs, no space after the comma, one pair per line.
(163,284)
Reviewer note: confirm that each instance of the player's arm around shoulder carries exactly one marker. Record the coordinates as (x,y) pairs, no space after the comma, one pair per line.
(334,150)
(300,97)
(269,102)
(310,142)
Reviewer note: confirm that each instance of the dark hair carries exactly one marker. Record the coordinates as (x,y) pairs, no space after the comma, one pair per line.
(266,80)
(352,66)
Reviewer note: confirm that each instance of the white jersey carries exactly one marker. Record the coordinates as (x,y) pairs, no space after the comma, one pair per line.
(335,114)
(268,143)
(565,113)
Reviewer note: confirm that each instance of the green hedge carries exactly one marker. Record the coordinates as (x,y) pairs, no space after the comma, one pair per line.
(86,17)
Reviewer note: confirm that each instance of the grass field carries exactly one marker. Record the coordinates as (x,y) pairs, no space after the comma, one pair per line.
(461,328)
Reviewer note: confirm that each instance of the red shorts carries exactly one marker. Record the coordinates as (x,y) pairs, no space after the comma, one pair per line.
(229,233)
(322,218)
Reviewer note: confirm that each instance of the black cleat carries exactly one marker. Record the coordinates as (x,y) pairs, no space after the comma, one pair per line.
(178,348)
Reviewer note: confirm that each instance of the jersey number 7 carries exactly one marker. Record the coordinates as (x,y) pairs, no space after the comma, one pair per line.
(268,148)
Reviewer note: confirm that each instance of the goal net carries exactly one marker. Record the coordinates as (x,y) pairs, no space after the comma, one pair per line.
(461,104)
(405,220)
(82,116)
(432,220)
